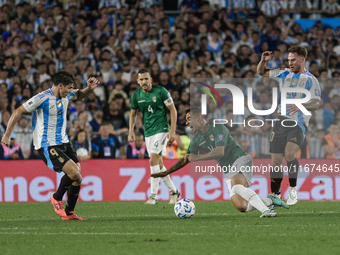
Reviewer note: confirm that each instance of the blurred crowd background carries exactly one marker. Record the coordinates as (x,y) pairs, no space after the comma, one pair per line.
(177,41)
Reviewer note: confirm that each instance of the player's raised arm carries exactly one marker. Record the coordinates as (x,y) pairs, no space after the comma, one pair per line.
(173,119)
(178,165)
(262,68)
(132,136)
(92,83)
(11,123)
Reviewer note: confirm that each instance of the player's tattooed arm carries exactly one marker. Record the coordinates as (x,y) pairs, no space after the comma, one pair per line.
(312,105)
(178,165)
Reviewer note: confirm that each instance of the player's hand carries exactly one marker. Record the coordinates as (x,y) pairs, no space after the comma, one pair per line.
(194,157)
(92,83)
(292,108)
(160,174)
(6,140)
(187,158)
(266,56)
(131,137)
(171,136)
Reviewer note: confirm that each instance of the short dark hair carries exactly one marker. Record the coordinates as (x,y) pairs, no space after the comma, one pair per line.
(299,50)
(63,77)
(194,110)
(143,70)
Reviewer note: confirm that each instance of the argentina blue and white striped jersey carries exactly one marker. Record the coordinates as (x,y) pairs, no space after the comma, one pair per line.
(49,118)
(306,80)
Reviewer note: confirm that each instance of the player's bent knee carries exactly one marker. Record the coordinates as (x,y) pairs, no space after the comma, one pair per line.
(242,209)
(239,203)
(290,156)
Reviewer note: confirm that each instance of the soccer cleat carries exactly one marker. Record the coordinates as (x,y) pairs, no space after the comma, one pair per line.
(268,214)
(276,195)
(174,196)
(73,216)
(292,196)
(58,207)
(278,202)
(151,201)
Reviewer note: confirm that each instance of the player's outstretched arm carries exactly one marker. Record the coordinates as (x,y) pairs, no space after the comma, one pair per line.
(92,83)
(262,68)
(11,123)
(178,165)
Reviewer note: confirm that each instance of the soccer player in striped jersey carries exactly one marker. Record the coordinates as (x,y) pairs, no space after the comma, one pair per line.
(286,141)
(50,139)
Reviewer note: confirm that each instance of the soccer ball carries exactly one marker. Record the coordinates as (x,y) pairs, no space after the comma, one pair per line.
(82,152)
(184,208)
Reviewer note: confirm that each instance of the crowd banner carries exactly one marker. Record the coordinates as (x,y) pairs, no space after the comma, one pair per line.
(129,180)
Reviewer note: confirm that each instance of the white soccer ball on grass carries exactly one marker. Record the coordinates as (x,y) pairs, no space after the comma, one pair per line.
(184,209)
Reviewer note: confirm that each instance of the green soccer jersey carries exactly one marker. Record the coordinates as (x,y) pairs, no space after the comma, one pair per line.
(213,137)
(153,105)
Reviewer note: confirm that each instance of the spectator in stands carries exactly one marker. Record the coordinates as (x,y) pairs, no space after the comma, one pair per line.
(314,142)
(331,142)
(137,149)
(106,144)
(5,118)
(24,135)
(97,119)
(11,152)
(82,145)
(184,140)
(331,8)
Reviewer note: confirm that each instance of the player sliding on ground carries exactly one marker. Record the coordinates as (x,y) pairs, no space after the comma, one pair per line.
(218,144)
(50,138)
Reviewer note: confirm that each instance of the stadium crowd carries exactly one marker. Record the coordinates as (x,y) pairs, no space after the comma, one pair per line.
(112,40)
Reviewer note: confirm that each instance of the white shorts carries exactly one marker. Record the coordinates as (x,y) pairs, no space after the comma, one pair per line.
(247,163)
(157,144)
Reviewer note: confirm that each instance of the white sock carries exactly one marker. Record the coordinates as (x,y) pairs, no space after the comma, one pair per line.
(154,181)
(250,196)
(168,182)
(267,201)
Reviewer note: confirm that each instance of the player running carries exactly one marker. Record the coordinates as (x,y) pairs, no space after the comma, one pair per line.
(154,102)
(218,144)
(50,139)
(286,141)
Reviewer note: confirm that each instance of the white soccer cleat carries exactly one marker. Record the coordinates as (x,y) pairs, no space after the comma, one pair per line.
(151,201)
(292,196)
(268,214)
(174,197)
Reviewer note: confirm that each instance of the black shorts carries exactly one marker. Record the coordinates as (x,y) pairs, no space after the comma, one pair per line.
(281,135)
(55,157)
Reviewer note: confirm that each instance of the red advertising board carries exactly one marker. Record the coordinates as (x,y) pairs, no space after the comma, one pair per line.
(128,180)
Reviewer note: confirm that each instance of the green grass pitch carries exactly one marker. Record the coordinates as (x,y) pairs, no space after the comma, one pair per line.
(135,228)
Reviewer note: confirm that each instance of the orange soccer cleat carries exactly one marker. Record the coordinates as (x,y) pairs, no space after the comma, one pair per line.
(58,207)
(73,216)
